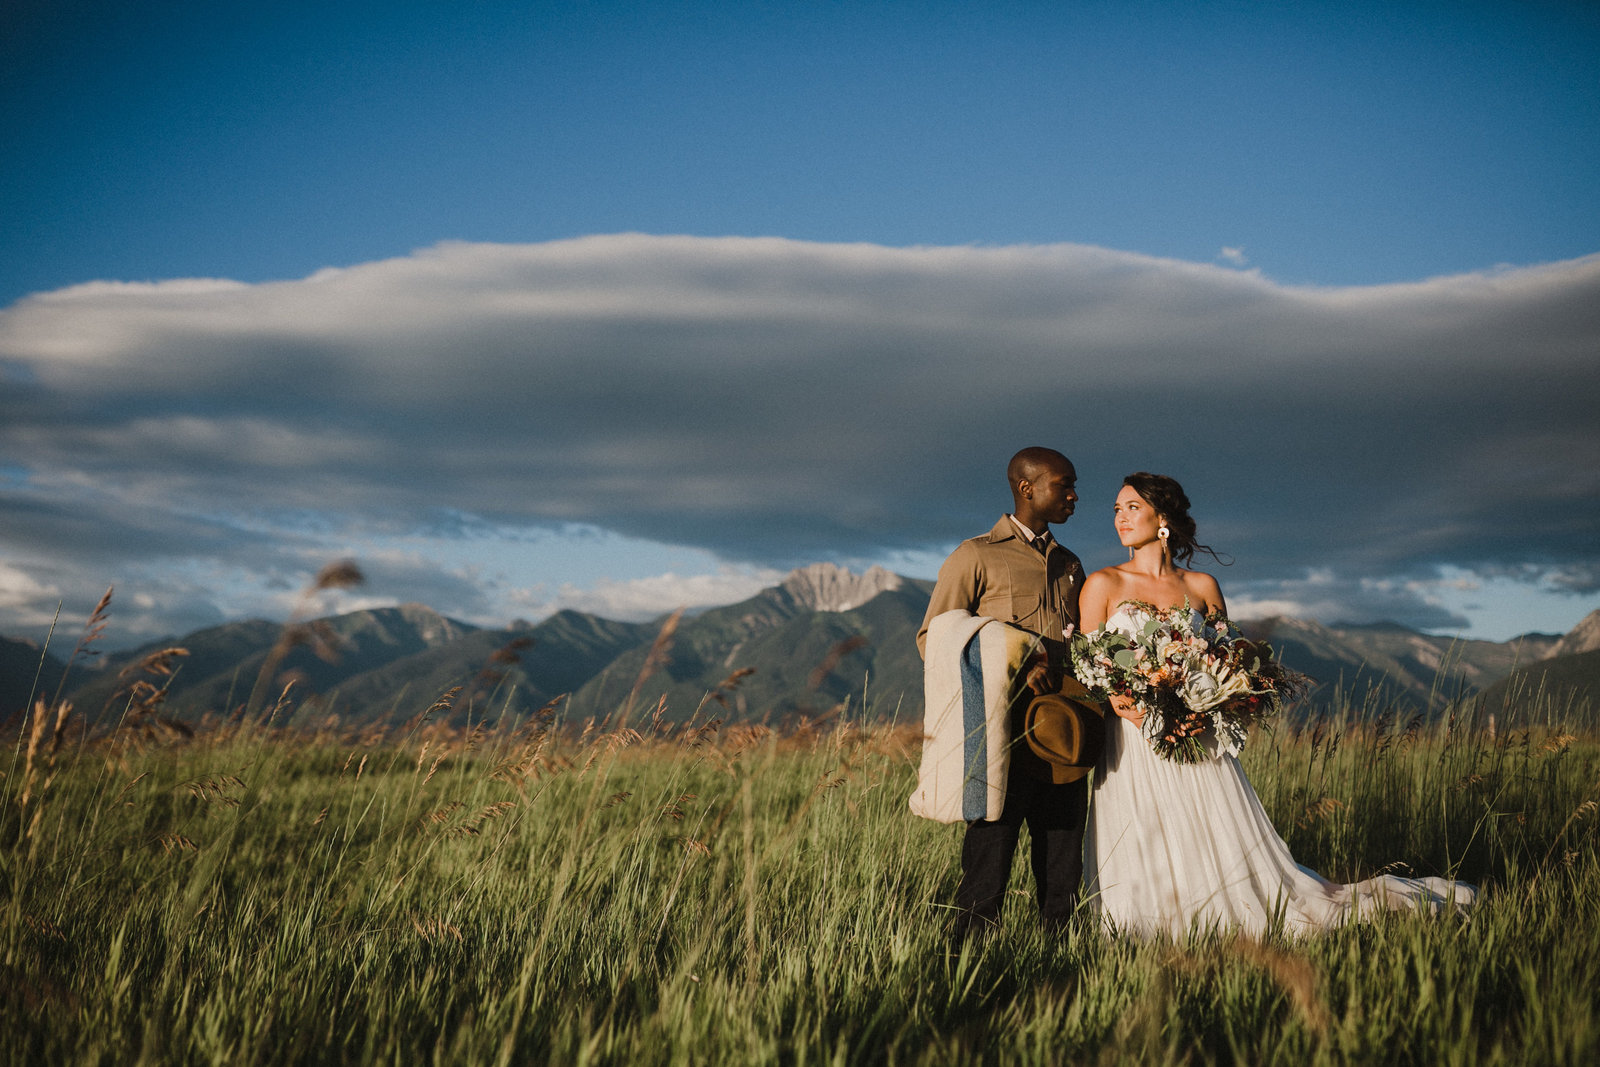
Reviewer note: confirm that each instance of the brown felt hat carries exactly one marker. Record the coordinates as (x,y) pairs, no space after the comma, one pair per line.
(1067,730)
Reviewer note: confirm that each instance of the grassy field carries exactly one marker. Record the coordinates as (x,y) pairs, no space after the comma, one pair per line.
(524,893)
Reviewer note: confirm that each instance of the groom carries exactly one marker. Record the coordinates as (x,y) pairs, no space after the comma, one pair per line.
(1018,574)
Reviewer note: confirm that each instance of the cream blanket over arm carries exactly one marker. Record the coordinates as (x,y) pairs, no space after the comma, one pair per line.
(972,664)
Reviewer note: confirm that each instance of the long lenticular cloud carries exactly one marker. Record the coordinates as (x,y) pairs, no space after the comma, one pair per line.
(777,401)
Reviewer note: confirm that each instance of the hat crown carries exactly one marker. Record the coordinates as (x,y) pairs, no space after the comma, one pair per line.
(1066,730)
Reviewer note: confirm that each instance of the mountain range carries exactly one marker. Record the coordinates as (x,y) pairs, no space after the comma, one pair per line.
(823,639)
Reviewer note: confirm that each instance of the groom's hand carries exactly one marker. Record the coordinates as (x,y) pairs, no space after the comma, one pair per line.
(1045,669)
(1040,676)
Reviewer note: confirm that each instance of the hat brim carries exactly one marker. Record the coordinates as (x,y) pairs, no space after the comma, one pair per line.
(1066,730)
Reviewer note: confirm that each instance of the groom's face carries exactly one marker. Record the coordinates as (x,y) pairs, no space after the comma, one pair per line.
(1055,492)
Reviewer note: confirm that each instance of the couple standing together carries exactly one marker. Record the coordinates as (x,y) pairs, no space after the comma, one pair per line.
(1165,846)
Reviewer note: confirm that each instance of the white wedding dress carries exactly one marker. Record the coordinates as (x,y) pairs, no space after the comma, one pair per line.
(1177,846)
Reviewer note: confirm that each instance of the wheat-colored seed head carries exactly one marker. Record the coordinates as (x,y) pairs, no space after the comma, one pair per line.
(340,574)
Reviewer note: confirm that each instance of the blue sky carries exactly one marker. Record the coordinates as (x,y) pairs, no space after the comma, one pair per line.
(1247,211)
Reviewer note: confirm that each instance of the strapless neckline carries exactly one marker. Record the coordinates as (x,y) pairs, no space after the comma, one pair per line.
(1140,611)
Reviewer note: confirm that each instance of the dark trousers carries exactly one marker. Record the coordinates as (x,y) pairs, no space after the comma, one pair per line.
(1055,816)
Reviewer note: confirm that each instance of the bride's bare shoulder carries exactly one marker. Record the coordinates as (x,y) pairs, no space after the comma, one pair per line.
(1203,590)
(1106,580)
(1105,574)
(1100,590)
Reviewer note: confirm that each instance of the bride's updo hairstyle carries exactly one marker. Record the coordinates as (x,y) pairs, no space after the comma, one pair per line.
(1167,497)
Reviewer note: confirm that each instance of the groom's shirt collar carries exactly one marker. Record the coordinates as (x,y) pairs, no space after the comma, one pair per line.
(1027,534)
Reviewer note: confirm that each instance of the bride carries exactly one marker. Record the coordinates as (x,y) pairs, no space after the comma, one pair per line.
(1173,846)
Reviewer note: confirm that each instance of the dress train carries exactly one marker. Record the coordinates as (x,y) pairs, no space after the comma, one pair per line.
(1173,846)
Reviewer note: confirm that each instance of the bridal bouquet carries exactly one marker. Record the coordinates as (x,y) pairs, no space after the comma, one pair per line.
(1190,676)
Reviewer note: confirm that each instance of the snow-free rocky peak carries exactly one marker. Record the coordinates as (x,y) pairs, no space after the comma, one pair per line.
(1584,637)
(829,587)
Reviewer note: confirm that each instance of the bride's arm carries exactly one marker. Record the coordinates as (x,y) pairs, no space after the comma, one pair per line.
(1094,602)
(1094,607)
(1205,589)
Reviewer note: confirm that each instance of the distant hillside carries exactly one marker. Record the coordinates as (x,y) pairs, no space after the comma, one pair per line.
(21,662)
(215,654)
(822,638)
(805,661)
(1391,664)
(382,665)
(1563,688)
(225,662)
(502,672)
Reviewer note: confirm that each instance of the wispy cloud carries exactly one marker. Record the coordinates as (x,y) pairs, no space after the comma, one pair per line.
(641,599)
(777,402)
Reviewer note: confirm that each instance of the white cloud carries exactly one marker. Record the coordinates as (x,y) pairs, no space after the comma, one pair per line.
(642,599)
(22,594)
(1234,256)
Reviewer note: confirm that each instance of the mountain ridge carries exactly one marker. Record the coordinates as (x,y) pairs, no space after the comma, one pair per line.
(822,638)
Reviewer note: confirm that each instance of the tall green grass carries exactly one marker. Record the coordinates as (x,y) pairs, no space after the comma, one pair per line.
(521,893)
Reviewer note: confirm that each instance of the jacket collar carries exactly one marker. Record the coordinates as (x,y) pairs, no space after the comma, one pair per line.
(1004,530)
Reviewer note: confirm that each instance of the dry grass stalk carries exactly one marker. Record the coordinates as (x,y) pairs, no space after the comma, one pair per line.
(435,929)
(1295,976)
(661,649)
(1558,743)
(444,813)
(497,668)
(495,810)
(674,810)
(1588,806)
(1318,811)
(39,775)
(145,699)
(96,625)
(695,736)
(171,843)
(474,826)
(539,722)
(726,687)
(436,761)
(283,699)
(123,792)
(445,703)
(659,656)
(30,771)
(340,574)
(44,927)
(215,789)
(159,663)
(835,654)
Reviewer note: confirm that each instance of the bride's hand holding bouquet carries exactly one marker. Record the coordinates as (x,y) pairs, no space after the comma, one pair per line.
(1183,678)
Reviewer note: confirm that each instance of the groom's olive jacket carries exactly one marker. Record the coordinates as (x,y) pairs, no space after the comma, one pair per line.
(1002,576)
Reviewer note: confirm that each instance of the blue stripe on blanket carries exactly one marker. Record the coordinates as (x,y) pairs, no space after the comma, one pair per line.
(975,731)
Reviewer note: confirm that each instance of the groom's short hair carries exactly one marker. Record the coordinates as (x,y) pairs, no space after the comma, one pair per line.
(1027,465)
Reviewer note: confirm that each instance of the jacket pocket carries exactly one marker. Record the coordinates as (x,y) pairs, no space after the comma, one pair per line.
(1023,609)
